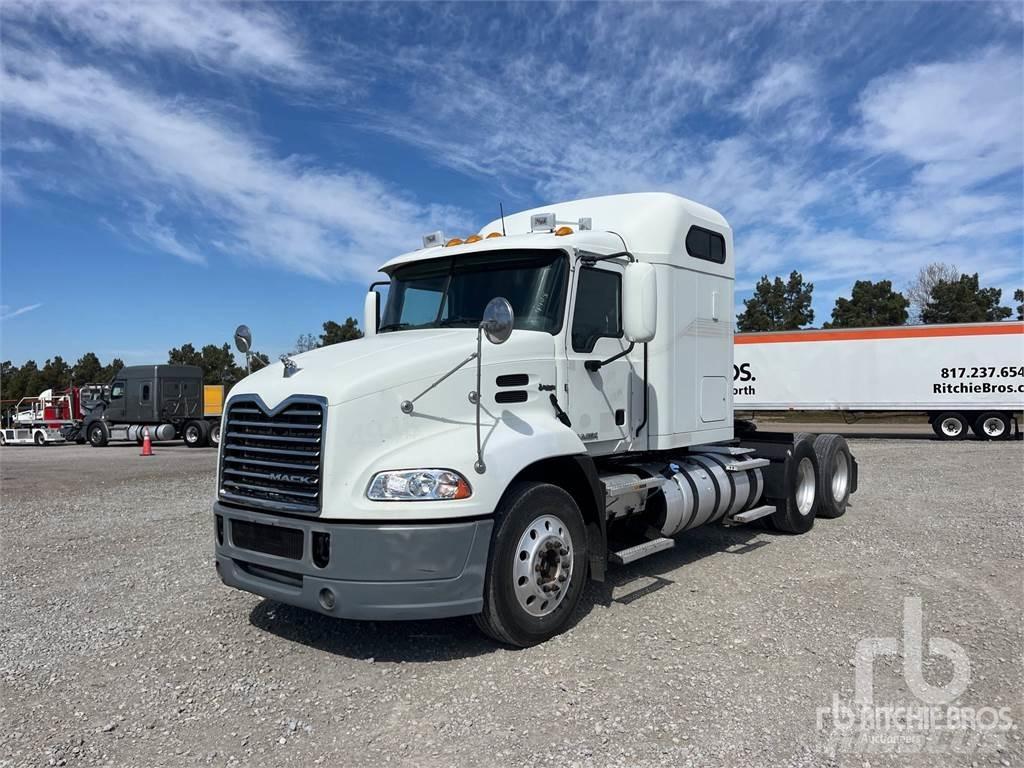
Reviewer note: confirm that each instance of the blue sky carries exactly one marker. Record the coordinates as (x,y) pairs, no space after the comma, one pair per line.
(172,170)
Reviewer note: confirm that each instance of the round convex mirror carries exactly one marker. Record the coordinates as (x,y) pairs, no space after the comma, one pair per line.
(243,339)
(498,320)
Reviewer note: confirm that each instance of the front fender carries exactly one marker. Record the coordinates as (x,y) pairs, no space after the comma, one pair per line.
(513,438)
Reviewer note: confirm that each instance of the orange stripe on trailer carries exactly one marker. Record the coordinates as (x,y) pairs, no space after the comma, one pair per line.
(865,334)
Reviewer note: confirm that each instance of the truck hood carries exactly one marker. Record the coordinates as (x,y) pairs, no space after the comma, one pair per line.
(352,369)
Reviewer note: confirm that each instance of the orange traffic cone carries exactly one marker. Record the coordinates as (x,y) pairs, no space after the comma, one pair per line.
(147,444)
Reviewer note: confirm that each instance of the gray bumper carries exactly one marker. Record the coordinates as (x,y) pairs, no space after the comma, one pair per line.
(375,571)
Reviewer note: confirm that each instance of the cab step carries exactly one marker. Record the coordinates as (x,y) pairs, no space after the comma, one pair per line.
(631,554)
(751,514)
(743,466)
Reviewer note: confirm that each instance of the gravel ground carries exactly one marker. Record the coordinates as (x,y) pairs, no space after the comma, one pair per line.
(119,646)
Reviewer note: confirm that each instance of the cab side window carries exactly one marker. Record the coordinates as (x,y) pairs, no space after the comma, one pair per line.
(598,312)
(117,390)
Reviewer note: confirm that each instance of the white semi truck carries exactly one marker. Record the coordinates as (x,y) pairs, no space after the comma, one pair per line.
(537,400)
(967,377)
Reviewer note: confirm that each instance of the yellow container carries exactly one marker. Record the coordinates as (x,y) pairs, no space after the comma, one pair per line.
(213,399)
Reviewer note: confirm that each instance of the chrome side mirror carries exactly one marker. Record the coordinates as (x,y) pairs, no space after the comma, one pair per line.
(498,320)
(243,339)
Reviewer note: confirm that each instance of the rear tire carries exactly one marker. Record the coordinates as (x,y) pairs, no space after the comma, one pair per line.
(99,434)
(537,568)
(992,425)
(836,465)
(950,426)
(215,434)
(196,434)
(795,513)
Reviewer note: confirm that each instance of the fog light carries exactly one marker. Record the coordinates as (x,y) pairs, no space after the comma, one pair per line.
(326,598)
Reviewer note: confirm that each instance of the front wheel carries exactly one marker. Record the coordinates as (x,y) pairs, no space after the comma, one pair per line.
(39,439)
(537,567)
(99,434)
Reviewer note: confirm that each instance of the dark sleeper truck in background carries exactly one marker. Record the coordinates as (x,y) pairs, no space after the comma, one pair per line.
(170,401)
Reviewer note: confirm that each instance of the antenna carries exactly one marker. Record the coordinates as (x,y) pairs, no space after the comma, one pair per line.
(502,209)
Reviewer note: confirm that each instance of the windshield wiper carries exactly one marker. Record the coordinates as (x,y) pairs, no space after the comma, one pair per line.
(393,326)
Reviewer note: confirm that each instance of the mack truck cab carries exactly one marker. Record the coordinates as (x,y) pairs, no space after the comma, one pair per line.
(531,403)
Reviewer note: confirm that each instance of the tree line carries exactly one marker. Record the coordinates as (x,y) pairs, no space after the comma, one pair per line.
(939,294)
(218,363)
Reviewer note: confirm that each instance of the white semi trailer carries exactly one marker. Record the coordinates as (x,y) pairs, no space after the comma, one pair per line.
(539,399)
(964,377)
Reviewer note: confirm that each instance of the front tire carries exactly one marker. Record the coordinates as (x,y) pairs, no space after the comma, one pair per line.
(537,568)
(39,439)
(99,434)
(992,426)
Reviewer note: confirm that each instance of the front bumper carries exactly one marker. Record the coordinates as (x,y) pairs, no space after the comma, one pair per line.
(374,571)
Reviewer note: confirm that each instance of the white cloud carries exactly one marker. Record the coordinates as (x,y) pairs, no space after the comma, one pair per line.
(252,41)
(6,313)
(287,211)
(958,123)
(784,83)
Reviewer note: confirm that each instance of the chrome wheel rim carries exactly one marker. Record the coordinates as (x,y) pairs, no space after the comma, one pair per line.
(542,570)
(192,434)
(993,427)
(952,427)
(805,486)
(840,477)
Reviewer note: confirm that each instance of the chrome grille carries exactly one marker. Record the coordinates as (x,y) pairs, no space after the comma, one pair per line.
(271,460)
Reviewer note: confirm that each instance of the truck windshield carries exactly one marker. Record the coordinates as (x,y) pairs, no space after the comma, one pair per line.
(452,292)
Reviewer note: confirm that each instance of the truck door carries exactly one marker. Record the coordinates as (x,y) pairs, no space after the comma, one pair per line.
(598,401)
(115,410)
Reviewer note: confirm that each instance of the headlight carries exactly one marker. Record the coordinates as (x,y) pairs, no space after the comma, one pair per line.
(418,485)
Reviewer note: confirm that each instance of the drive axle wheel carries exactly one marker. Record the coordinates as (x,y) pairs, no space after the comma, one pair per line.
(795,513)
(836,466)
(537,566)
(196,434)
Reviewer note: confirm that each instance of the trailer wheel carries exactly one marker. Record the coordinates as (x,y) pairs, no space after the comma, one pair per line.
(39,438)
(99,434)
(950,426)
(836,466)
(992,425)
(215,434)
(537,568)
(196,434)
(795,513)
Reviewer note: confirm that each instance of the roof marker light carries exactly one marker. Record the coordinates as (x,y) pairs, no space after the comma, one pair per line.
(541,222)
(562,231)
(473,239)
(453,241)
(434,239)
(494,234)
